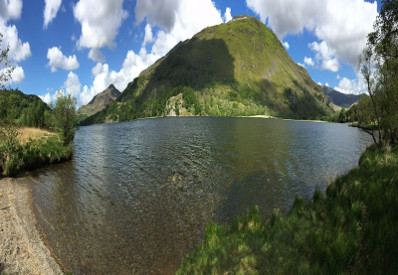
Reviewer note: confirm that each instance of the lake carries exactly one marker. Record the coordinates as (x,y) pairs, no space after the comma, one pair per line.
(138,195)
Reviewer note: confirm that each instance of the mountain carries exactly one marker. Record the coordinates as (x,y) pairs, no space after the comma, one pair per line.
(340,99)
(98,103)
(232,69)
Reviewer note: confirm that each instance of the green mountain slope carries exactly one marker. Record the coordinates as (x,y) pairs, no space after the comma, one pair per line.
(27,110)
(237,68)
(98,103)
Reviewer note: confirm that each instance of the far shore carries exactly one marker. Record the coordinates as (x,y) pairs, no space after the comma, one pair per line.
(23,248)
(253,116)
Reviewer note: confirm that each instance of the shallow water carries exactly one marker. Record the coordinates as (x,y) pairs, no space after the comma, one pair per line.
(137,196)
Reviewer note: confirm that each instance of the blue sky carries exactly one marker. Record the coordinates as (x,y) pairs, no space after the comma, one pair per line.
(81,47)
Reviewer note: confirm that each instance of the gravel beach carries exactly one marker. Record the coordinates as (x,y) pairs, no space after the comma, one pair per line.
(22,249)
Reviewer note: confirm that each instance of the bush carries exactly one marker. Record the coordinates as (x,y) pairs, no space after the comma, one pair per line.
(10,149)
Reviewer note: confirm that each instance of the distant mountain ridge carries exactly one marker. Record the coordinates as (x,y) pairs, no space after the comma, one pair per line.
(233,69)
(98,103)
(340,99)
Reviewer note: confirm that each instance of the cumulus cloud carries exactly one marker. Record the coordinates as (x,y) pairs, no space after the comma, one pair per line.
(46,98)
(148,37)
(95,54)
(58,60)
(17,75)
(157,12)
(19,50)
(50,11)
(227,15)
(342,24)
(308,61)
(100,27)
(286,45)
(10,9)
(352,86)
(325,56)
(72,85)
(301,64)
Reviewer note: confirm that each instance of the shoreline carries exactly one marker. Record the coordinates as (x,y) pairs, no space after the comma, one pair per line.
(24,250)
(253,116)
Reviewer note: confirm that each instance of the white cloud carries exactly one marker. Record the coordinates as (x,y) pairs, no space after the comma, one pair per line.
(158,12)
(286,45)
(72,85)
(46,98)
(17,75)
(50,11)
(96,55)
(100,21)
(58,60)
(325,56)
(227,15)
(342,24)
(10,9)
(148,38)
(301,64)
(308,61)
(352,86)
(18,51)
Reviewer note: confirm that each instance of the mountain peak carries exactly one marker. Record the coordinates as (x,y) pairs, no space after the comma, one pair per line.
(99,102)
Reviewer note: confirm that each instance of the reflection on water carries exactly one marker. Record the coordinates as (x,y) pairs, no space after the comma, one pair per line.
(137,196)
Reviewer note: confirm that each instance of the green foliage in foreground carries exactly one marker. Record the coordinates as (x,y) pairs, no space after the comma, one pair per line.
(15,157)
(353,229)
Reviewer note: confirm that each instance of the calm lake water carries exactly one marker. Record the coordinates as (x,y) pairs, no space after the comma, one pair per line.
(138,195)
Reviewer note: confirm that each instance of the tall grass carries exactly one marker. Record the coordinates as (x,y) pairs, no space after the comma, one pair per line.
(352,229)
(32,154)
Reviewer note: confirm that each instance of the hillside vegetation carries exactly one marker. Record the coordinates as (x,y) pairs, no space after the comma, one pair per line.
(353,229)
(237,68)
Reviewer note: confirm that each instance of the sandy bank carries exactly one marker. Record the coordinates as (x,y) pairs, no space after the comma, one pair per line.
(22,250)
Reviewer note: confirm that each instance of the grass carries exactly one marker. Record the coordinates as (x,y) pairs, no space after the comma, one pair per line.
(28,133)
(351,229)
(31,148)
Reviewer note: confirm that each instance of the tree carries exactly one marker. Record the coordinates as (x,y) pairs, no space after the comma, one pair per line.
(65,117)
(342,116)
(5,65)
(379,66)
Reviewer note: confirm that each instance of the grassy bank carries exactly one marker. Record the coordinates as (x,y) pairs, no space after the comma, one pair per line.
(352,229)
(29,148)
